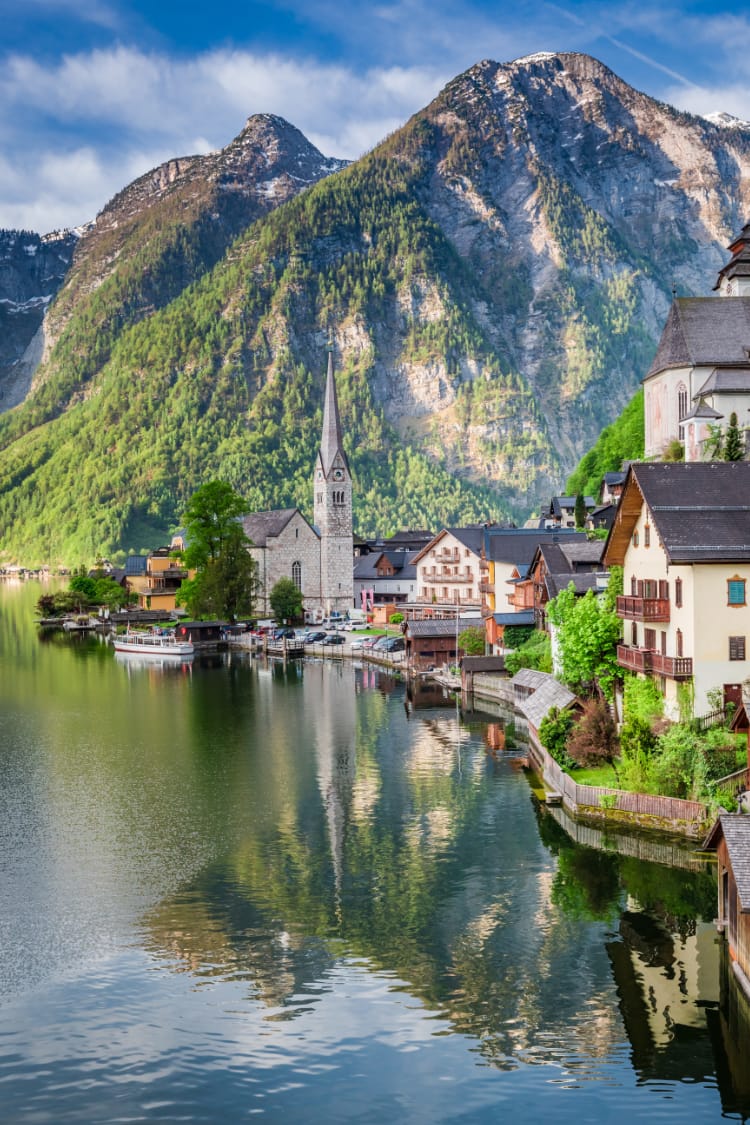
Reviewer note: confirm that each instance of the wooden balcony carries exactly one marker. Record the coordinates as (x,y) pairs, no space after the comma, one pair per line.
(642,609)
(647,661)
(673,667)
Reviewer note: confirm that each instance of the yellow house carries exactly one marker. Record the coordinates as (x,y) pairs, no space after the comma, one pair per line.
(155,578)
(682,536)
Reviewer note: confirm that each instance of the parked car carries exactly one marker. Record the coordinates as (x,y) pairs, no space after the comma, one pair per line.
(392,644)
(314,636)
(334,639)
(284,635)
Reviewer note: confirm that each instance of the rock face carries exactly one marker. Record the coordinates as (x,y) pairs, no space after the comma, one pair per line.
(32,269)
(496,275)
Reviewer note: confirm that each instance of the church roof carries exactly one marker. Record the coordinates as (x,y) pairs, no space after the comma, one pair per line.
(331,442)
(704,332)
(260,526)
(726,381)
(702,410)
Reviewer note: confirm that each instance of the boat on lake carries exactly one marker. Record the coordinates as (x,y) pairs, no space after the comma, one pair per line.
(157,642)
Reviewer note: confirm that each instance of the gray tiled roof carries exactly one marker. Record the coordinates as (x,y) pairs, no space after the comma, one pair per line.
(583,581)
(260,525)
(518,545)
(704,331)
(582,551)
(726,381)
(529,678)
(441,627)
(701,509)
(366,566)
(549,694)
(702,410)
(135,564)
(520,617)
(736,829)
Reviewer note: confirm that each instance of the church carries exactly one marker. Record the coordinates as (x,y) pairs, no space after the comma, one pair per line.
(701,371)
(318,557)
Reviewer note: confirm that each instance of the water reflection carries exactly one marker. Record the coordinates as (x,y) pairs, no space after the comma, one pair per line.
(316,888)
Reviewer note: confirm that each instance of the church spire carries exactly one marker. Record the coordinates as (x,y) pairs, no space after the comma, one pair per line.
(331,442)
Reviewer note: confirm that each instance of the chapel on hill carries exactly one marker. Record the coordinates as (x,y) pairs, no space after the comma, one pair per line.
(701,371)
(317,557)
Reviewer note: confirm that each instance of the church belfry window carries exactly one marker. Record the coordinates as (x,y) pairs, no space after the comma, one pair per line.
(297,574)
(682,407)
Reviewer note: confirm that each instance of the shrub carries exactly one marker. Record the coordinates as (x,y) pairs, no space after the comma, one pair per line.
(593,739)
(641,699)
(536,652)
(553,732)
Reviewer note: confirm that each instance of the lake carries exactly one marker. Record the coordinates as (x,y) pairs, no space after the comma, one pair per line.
(232,890)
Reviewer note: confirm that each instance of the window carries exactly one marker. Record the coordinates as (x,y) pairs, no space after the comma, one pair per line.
(650,588)
(647,535)
(678,591)
(635,538)
(736,648)
(649,639)
(633,586)
(736,591)
(634,634)
(679,642)
(297,574)
(682,401)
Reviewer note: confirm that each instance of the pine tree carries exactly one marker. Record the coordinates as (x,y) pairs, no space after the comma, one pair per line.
(734,447)
(580,511)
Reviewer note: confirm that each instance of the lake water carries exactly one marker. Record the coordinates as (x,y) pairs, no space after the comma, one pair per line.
(231,891)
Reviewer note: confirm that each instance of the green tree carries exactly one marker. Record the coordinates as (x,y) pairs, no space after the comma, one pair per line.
(588,631)
(580,511)
(734,448)
(553,732)
(286,601)
(471,640)
(535,652)
(211,521)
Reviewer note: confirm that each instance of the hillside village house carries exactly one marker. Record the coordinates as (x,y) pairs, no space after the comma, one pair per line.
(682,536)
(730,839)
(701,370)
(385,578)
(562,511)
(556,564)
(448,570)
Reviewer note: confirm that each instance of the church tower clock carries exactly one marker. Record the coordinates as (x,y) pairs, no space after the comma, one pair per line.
(332,487)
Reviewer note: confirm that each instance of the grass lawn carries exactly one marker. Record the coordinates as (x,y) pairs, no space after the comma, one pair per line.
(596,775)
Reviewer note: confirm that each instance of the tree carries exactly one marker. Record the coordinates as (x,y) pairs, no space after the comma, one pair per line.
(580,510)
(286,601)
(587,633)
(226,582)
(734,448)
(471,640)
(212,521)
(593,739)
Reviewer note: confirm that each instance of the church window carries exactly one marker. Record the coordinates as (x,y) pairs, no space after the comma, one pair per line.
(682,401)
(296,533)
(297,574)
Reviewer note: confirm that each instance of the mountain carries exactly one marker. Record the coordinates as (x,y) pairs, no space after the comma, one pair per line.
(32,269)
(495,276)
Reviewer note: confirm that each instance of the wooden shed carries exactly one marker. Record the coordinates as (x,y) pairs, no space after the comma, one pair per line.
(730,839)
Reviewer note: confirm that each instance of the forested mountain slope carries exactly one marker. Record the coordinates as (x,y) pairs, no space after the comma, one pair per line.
(495,275)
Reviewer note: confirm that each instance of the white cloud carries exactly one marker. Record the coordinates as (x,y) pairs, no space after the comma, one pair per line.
(80,130)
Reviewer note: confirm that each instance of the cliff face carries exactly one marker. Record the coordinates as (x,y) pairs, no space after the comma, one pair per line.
(495,275)
(32,269)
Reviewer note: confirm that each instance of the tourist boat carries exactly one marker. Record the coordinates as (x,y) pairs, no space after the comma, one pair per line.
(154,643)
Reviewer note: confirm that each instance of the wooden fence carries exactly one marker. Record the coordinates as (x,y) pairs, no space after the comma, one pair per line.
(737,782)
(640,846)
(686,817)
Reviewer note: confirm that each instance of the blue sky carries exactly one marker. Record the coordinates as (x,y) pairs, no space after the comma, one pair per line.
(95,92)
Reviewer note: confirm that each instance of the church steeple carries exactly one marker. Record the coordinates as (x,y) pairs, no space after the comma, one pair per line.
(331,443)
(734,278)
(332,490)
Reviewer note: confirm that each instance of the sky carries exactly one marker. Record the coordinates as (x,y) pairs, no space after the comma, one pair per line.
(95,92)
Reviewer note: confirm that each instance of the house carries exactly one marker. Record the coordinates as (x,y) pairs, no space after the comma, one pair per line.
(562,511)
(612,484)
(682,537)
(434,641)
(601,517)
(701,371)
(155,579)
(730,839)
(554,566)
(385,577)
(448,570)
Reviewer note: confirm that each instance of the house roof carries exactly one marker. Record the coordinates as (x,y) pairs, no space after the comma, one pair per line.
(470,537)
(735,828)
(260,526)
(582,551)
(582,581)
(440,626)
(331,442)
(402,562)
(560,502)
(483,663)
(529,678)
(701,510)
(517,545)
(702,410)
(614,478)
(549,694)
(135,565)
(520,617)
(704,332)
(726,381)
